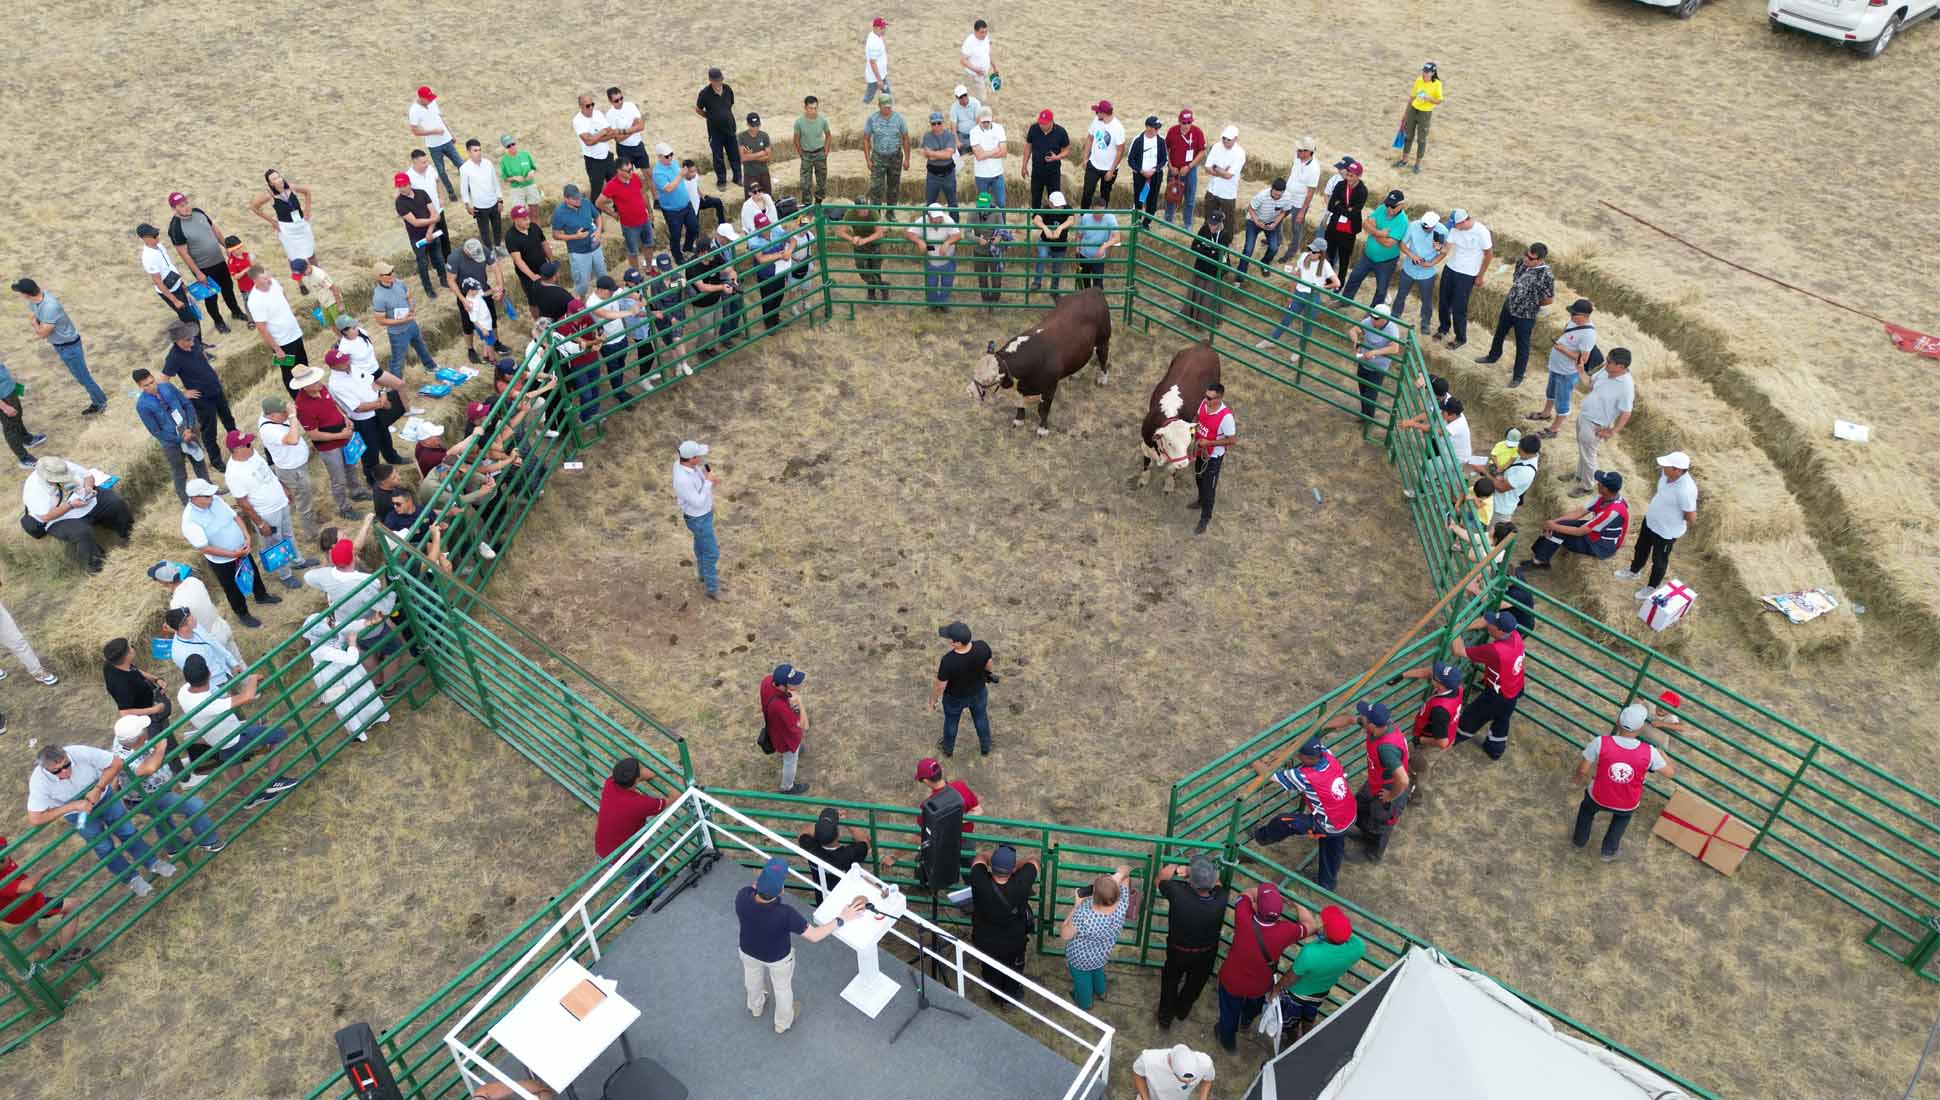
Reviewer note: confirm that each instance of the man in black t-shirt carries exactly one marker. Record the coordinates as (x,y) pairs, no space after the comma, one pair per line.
(549,299)
(526,243)
(428,243)
(962,679)
(1000,913)
(1197,913)
(1050,144)
(136,693)
(715,103)
(826,844)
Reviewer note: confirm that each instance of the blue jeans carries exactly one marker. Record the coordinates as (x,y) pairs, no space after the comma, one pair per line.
(409,336)
(1254,232)
(706,550)
(441,153)
(992,186)
(637,237)
(979,707)
(940,185)
(105,824)
(1561,388)
(683,231)
(1382,270)
(1235,1012)
(177,804)
(586,266)
(1192,194)
(1086,985)
(1423,287)
(1301,306)
(938,277)
(76,363)
(584,385)
(1332,846)
(254,736)
(1054,258)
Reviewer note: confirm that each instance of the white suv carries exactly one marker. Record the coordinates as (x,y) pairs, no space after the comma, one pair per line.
(1866,25)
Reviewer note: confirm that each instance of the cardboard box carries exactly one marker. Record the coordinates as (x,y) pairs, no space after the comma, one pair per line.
(1716,838)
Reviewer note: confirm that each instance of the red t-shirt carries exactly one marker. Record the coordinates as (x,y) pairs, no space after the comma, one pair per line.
(623,810)
(427,456)
(240,262)
(629,199)
(321,414)
(1183,144)
(1247,973)
(1501,664)
(784,725)
(16,908)
(969,802)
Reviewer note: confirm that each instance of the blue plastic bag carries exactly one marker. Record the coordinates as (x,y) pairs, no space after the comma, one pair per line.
(161,648)
(354,449)
(278,554)
(246,577)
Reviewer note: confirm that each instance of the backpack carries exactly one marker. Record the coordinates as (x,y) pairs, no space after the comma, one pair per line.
(1595,361)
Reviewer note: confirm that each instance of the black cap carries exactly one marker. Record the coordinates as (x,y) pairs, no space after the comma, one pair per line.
(145,230)
(1583,306)
(1395,197)
(825,825)
(713,74)
(26,286)
(548,269)
(1610,479)
(754,119)
(604,282)
(1152,120)
(956,632)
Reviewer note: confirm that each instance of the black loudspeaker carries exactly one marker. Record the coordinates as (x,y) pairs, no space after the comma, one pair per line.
(364,1065)
(939,860)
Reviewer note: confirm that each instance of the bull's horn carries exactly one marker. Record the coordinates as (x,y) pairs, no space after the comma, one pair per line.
(990,347)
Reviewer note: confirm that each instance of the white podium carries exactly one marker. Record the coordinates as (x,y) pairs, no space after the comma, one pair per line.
(870,989)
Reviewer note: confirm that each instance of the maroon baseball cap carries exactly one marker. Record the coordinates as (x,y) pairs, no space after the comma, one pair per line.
(1269,903)
(522,211)
(929,768)
(335,358)
(177,198)
(1103,106)
(477,411)
(236,440)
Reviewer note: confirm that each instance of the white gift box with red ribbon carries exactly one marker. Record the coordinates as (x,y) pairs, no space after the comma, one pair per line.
(1665,606)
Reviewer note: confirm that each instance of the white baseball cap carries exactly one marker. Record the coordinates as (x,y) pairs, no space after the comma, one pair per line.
(1229,132)
(1430,220)
(1458,215)
(200,488)
(662,149)
(1676,460)
(131,727)
(1633,717)
(960,90)
(1307,144)
(1057,198)
(691,449)
(1382,309)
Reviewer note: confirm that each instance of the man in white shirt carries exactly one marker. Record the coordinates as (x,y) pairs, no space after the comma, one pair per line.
(1513,481)
(1604,413)
(65,499)
(875,61)
(216,717)
(478,184)
(629,127)
(1303,179)
(428,123)
(1622,761)
(1224,161)
(1180,1073)
(77,782)
(166,277)
(591,132)
(289,459)
(155,774)
(1104,152)
(987,152)
(276,323)
(694,482)
(1470,250)
(1265,217)
(357,395)
(1671,511)
(259,496)
(977,66)
(187,639)
(186,591)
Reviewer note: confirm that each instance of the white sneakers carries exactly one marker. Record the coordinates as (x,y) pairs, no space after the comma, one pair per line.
(140,886)
(1627,575)
(1644,592)
(162,867)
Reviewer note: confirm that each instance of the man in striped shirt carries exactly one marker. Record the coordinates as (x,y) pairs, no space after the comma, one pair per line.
(1596,529)
(1266,216)
(1327,807)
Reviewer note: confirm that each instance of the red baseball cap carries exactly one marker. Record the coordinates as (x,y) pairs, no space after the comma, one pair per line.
(1670,698)
(343,553)
(477,411)
(1103,106)
(1269,903)
(426,93)
(236,439)
(177,198)
(879,21)
(1335,925)
(1044,116)
(929,768)
(522,211)
(402,179)
(1185,115)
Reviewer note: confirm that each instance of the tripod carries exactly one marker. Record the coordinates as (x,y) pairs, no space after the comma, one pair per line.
(922,992)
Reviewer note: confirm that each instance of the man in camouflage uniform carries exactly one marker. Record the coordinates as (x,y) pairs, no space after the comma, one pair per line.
(886,136)
(992,237)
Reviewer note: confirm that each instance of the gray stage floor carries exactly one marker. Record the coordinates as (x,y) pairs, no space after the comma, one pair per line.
(681,968)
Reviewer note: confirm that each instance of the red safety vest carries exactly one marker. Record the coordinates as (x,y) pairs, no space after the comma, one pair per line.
(1618,783)
(1377,777)
(1208,427)
(1332,797)
(1450,703)
(1501,663)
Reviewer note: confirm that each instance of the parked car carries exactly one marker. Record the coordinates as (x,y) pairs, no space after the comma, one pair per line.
(1866,25)
(1683,9)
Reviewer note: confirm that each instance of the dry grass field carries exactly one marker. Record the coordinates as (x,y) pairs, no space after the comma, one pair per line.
(1775,150)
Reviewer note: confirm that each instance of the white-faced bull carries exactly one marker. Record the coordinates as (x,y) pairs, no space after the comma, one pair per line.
(1057,347)
(1166,439)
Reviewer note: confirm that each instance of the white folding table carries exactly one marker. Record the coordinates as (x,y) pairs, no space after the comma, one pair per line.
(555,1046)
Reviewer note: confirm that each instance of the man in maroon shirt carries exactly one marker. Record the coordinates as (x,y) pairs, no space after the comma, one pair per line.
(624,811)
(1250,974)
(324,422)
(929,772)
(1185,148)
(785,718)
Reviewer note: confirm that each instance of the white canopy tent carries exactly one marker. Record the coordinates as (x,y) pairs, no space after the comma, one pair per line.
(1426,1027)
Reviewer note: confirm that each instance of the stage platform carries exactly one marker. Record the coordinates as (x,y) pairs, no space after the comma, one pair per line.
(681,968)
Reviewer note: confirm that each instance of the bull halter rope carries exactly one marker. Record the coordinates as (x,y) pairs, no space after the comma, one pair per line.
(1348,696)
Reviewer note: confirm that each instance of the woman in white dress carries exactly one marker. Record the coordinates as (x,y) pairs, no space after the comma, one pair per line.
(339,673)
(291,217)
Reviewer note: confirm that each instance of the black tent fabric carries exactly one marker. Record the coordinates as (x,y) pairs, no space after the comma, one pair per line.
(1304,1070)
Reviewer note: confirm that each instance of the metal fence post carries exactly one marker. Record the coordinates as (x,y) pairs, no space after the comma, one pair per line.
(1131,261)
(822,264)
(1784,796)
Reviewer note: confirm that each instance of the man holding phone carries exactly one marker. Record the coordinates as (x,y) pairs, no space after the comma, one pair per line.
(963,677)
(694,482)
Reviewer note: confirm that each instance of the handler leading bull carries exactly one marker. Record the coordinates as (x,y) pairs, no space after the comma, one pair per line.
(1167,440)
(1054,349)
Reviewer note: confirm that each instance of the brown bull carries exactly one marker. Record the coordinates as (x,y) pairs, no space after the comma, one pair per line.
(1054,349)
(1166,439)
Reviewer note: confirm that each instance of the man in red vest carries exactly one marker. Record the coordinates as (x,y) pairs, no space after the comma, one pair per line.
(1596,529)
(1213,432)
(1435,721)
(1616,765)
(1384,794)
(1328,807)
(1501,661)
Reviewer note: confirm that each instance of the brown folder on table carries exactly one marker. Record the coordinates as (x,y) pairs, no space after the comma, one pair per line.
(582,999)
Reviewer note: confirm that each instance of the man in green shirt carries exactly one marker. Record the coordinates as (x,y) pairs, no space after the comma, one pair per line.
(1320,964)
(812,150)
(517,172)
(887,137)
(1385,228)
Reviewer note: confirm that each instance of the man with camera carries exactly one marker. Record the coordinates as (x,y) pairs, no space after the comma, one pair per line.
(963,677)
(1001,921)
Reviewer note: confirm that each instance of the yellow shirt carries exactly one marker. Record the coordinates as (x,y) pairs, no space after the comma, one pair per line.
(1502,454)
(1423,89)
(1484,509)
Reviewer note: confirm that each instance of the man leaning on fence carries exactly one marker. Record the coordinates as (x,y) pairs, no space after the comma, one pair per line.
(626,806)
(1001,921)
(78,783)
